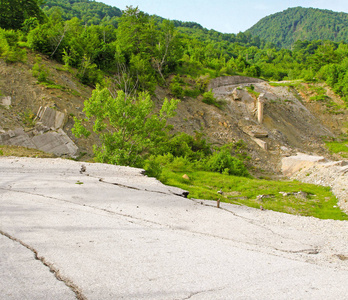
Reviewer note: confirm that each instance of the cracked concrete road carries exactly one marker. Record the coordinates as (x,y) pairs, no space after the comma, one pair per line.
(112,233)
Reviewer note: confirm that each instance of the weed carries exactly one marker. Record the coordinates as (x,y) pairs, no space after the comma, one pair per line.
(251,90)
(338,147)
(209,98)
(28,118)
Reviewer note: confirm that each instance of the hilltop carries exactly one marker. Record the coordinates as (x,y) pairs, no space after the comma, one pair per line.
(298,24)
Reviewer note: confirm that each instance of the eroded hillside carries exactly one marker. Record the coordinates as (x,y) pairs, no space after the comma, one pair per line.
(292,121)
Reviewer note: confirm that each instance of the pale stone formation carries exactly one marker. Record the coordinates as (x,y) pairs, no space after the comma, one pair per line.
(6,101)
(260,104)
(56,142)
(261,143)
(51,118)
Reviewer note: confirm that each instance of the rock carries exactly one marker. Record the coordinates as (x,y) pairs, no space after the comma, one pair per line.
(185,176)
(51,118)
(293,164)
(302,195)
(261,143)
(6,101)
(57,143)
(236,95)
(256,131)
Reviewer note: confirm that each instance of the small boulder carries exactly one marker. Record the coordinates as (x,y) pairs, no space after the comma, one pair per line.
(185,176)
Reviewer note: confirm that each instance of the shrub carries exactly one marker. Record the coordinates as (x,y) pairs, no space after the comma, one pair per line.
(153,167)
(208,98)
(224,162)
(176,90)
(184,145)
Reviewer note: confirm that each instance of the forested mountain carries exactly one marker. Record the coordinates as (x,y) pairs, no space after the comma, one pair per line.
(90,12)
(298,23)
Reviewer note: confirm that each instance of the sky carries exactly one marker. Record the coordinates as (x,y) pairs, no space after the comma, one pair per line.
(227,16)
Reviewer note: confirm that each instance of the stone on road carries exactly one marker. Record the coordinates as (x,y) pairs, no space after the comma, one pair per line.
(110,232)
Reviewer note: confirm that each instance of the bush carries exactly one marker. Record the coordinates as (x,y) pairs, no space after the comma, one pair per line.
(176,90)
(153,167)
(224,162)
(208,98)
(9,49)
(184,145)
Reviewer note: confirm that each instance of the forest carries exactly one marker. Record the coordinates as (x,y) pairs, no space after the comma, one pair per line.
(299,23)
(125,55)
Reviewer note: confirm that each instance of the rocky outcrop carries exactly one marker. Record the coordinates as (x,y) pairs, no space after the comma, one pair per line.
(47,135)
(56,142)
(51,118)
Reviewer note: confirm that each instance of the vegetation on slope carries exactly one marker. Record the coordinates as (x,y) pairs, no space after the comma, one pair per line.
(299,24)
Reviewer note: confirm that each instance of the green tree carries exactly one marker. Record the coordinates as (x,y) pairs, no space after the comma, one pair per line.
(14,12)
(126,125)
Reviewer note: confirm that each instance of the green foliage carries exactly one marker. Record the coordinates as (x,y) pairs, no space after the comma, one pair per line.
(183,145)
(251,90)
(176,90)
(90,12)
(209,98)
(9,46)
(28,118)
(340,147)
(14,12)
(126,125)
(40,71)
(223,162)
(297,23)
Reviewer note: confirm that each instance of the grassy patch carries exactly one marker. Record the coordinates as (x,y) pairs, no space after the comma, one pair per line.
(51,85)
(338,148)
(319,202)
(287,84)
(251,90)
(23,152)
(28,118)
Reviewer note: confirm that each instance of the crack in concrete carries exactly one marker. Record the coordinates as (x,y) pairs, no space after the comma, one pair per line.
(313,250)
(250,244)
(184,194)
(78,293)
(203,292)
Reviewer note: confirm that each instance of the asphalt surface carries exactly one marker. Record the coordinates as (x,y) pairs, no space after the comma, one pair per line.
(111,233)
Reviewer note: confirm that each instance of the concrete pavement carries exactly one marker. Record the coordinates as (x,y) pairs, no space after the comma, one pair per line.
(112,233)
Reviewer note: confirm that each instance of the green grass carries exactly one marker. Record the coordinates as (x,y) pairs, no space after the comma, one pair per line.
(338,147)
(251,90)
(319,203)
(294,83)
(50,85)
